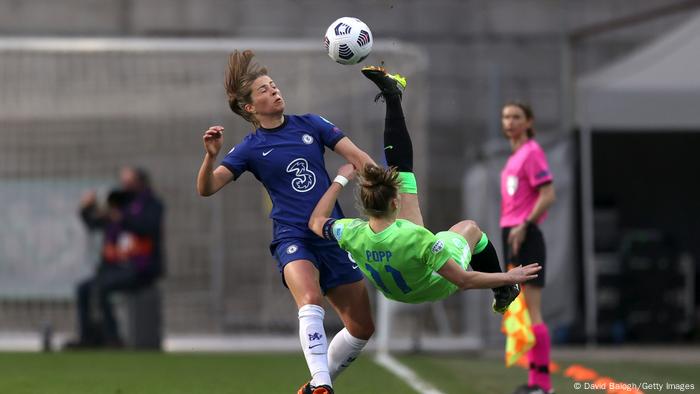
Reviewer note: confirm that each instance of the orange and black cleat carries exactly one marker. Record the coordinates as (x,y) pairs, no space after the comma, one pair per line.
(308,388)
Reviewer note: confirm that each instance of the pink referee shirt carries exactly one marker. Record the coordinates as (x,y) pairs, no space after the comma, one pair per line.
(525,171)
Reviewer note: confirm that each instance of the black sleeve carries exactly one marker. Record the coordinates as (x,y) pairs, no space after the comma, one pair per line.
(328,229)
(91,218)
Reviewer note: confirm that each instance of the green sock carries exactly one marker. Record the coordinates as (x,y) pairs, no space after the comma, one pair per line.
(408,183)
(481,245)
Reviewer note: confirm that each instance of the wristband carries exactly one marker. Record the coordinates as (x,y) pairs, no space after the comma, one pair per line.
(341,180)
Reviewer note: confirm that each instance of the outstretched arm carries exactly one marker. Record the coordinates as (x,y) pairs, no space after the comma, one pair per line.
(210,180)
(325,205)
(354,155)
(466,280)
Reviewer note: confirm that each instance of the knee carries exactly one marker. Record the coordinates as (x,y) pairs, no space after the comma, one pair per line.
(311,297)
(471,226)
(469,230)
(466,228)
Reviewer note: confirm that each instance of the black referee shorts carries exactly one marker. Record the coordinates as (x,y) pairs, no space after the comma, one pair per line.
(531,251)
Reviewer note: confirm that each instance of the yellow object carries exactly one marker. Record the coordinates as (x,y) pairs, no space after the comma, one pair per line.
(517,327)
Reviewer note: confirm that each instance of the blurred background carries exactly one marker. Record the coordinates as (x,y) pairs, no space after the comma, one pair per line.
(89,86)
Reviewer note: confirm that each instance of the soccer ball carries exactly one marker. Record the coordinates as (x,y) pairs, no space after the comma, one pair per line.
(348,40)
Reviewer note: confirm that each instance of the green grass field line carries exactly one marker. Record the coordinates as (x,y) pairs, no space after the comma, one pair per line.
(154,373)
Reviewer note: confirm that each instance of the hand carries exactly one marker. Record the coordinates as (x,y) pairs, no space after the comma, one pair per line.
(88,199)
(516,237)
(522,274)
(347,170)
(213,139)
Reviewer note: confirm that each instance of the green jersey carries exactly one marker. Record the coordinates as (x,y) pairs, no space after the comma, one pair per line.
(402,260)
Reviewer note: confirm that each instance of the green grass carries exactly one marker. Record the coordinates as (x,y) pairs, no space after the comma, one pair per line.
(157,373)
(471,375)
(153,373)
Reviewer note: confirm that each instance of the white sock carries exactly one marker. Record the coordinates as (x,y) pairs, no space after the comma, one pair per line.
(343,350)
(314,343)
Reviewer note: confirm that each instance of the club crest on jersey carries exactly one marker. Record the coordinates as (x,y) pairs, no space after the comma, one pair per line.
(511,184)
(307,139)
(438,246)
(291,249)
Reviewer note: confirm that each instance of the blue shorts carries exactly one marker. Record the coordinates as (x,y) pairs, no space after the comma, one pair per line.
(333,263)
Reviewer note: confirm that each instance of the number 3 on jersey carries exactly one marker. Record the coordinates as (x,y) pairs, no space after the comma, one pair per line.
(304,179)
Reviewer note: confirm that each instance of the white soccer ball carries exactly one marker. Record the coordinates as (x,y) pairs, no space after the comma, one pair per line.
(348,40)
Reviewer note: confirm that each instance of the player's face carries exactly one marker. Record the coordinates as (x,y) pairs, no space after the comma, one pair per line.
(514,122)
(266,98)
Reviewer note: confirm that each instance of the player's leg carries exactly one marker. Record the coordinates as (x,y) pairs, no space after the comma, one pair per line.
(470,231)
(302,279)
(351,302)
(346,291)
(485,259)
(398,148)
(300,274)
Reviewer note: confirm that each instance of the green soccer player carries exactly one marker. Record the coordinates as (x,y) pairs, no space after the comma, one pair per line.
(403,259)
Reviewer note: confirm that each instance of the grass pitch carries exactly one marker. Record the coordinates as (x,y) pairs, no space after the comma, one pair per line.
(167,373)
(164,373)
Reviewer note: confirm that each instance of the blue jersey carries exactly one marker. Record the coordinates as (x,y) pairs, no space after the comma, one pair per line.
(288,161)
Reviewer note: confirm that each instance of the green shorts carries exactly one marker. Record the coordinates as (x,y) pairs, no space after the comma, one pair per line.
(457,247)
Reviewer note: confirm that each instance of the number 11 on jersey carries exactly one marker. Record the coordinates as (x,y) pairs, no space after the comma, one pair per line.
(395,274)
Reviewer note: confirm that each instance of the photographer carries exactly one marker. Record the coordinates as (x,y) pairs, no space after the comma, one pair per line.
(130,258)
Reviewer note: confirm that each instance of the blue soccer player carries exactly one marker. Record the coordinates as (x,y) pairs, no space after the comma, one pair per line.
(285,153)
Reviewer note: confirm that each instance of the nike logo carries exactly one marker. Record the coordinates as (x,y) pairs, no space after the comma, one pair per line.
(316,345)
(354,266)
(268,152)
(389,147)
